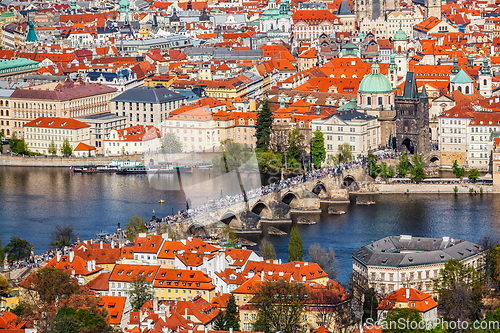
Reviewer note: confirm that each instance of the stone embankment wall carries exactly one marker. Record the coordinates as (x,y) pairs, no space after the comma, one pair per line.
(42,161)
(181,158)
(432,188)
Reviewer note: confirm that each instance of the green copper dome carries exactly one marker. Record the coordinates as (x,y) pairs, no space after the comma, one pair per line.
(375,83)
(400,35)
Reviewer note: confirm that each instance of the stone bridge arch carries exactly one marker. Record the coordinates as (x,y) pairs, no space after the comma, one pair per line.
(291,198)
(262,209)
(349,182)
(231,219)
(320,190)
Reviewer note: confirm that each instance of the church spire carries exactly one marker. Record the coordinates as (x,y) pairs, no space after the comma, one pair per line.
(455,69)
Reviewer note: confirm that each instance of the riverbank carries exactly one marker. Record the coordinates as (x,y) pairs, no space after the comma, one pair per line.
(432,188)
(43,161)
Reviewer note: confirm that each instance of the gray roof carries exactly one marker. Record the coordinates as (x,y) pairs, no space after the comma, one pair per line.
(5,93)
(344,8)
(410,91)
(402,251)
(102,116)
(148,95)
(353,115)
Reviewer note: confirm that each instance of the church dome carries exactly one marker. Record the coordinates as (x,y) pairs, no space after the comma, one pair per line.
(400,35)
(375,83)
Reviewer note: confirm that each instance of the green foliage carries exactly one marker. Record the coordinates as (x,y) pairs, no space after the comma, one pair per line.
(170,144)
(269,161)
(295,248)
(295,147)
(403,166)
(231,318)
(219,323)
(69,320)
(52,283)
(455,189)
(372,166)
(17,248)
(18,146)
(459,289)
(385,171)
(230,236)
(234,156)
(417,173)
(4,285)
(474,175)
(140,292)
(62,236)
(459,172)
(396,316)
(494,261)
(370,305)
(135,225)
(52,148)
(267,250)
(280,306)
(345,153)
(263,126)
(66,148)
(318,150)
(481,190)
(471,190)
(325,259)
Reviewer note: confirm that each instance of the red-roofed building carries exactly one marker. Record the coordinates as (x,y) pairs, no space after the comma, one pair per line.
(409,298)
(180,284)
(310,24)
(58,99)
(84,271)
(132,140)
(84,150)
(123,274)
(118,308)
(60,129)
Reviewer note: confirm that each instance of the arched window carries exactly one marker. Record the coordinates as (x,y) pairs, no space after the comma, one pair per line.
(467,90)
(460,89)
(369,101)
(485,82)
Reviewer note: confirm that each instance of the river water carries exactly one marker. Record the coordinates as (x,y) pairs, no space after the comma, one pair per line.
(35,200)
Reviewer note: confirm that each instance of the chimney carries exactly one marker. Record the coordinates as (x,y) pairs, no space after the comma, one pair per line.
(155,304)
(167,311)
(185,312)
(407,293)
(58,255)
(93,264)
(230,330)
(89,266)
(206,329)
(100,245)
(71,256)
(261,275)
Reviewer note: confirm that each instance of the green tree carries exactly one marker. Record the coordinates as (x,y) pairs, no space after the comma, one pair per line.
(391,324)
(140,292)
(267,250)
(459,289)
(4,285)
(403,166)
(231,318)
(219,323)
(493,259)
(295,146)
(459,172)
(473,175)
(345,153)
(18,146)
(135,225)
(2,253)
(52,148)
(62,236)
(263,127)
(417,173)
(295,247)
(325,259)
(170,144)
(372,165)
(280,305)
(318,150)
(66,148)
(17,248)
(269,161)
(234,156)
(230,236)
(69,320)
(370,305)
(52,283)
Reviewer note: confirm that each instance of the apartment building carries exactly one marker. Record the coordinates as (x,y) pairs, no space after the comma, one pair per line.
(41,132)
(404,261)
(146,105)
(58,99)
(185,285)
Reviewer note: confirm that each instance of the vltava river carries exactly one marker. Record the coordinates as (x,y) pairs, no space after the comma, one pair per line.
(35,200)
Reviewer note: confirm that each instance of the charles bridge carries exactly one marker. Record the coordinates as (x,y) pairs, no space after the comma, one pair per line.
(277,207)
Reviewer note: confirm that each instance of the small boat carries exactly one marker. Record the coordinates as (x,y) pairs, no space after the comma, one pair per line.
(204,165)
(161,201)
(160,168)
(131,171)
(333,211)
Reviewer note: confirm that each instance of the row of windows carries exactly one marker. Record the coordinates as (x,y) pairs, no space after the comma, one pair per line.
(404,277)
(17,69)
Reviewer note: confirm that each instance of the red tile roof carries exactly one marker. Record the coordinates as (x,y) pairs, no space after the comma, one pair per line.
(53,122)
